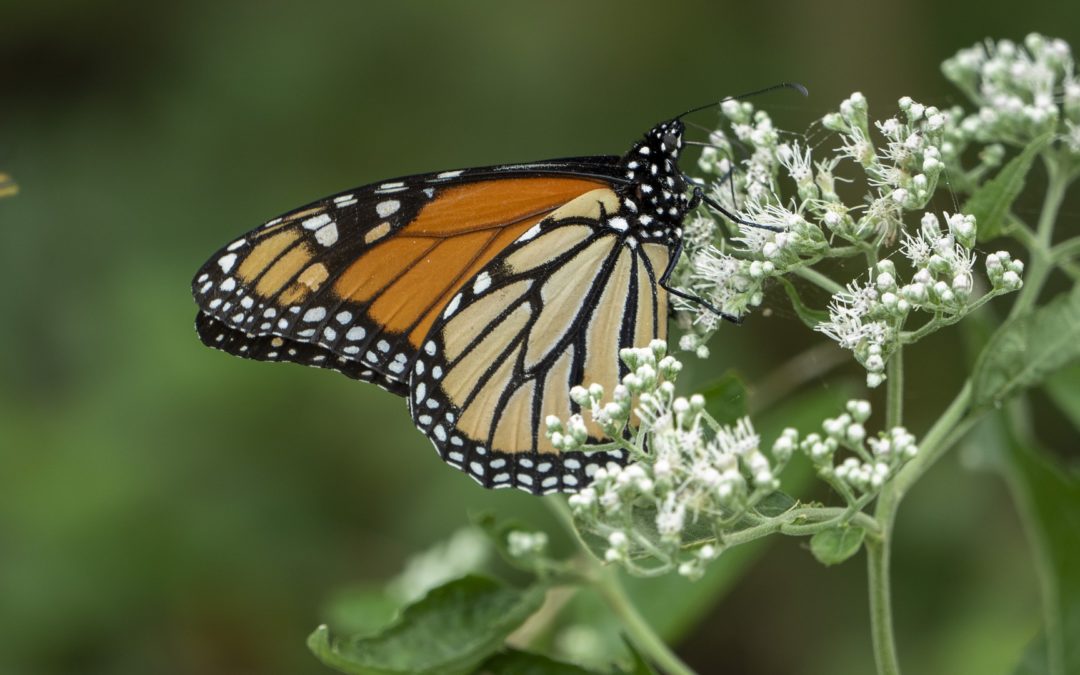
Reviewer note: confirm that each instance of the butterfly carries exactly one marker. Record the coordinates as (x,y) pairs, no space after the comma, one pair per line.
(482,296)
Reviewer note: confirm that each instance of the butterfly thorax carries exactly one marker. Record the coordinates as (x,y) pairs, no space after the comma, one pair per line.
(656,198)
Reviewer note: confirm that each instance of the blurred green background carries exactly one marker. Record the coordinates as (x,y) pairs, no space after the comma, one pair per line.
(165,508)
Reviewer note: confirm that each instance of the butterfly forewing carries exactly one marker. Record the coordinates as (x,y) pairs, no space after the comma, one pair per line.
(363,274)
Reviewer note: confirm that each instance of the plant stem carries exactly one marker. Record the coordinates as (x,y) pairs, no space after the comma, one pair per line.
(637,628)
(818,279)
(1041,260)
(881,626)
(894,391)
(606,583)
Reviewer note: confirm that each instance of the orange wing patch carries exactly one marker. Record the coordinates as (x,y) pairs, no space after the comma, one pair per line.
(410,276)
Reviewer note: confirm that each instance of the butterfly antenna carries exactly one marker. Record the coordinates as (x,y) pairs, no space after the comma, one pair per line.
(795,86)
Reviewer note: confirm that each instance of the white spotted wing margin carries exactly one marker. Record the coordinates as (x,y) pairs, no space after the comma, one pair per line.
(278,280)
(551,312)
(218,335)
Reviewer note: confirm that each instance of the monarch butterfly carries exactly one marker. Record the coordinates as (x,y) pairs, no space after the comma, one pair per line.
(480,295)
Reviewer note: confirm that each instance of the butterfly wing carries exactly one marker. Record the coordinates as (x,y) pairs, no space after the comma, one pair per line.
(549,312)
(354,282)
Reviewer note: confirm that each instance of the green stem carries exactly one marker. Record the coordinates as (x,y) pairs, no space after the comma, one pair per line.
(894,392)
(1041,260)
(819,279)
(881,625)
(637,628)
(607,584)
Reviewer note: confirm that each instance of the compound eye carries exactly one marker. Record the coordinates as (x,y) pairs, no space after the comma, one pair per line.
(670,140)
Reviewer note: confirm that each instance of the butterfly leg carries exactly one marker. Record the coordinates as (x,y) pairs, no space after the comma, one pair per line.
(700,197)
(666,276)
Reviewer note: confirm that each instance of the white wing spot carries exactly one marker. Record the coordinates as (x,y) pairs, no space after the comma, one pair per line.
(383,346)
(355,334)
(452,307)
(429,348)
(439,432)
(228,285)
(236,244)
(387,208)
(482,282)
(315,314)
(329,333)
(306,333)
(618,223)
(327,235)
(450,174)
(315,222)
(477,468)
(421,392)
(344,317)
(530,233)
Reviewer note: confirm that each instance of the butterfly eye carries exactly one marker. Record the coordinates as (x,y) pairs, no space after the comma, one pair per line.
(671,140)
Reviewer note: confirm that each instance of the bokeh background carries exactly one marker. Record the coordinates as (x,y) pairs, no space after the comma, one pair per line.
(165,508)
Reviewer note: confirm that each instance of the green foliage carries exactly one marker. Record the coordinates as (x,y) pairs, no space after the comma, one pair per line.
(726,398)
(1050,501)
(1028,349)
(992,202)
(451,630)
(835,545)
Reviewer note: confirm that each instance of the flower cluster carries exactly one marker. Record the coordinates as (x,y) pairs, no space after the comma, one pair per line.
(868,317)
(694,470)
(1022,91)
(788,234)
(693,482)
(869,460)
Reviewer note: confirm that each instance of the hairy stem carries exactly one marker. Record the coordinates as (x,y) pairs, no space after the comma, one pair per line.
(894,392)
(881,625)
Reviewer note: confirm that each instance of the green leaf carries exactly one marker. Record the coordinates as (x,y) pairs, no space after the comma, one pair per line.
(809,316)
(837,544)
(514,662)
(1063,387)
(1049,501)
(991,203)
(1028,349)
(775,504)
(725,398)
(450,630)
(361,609)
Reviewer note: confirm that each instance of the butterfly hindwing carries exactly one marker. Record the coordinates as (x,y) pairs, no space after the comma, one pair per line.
(218,335)
(550,312)
(362,275)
